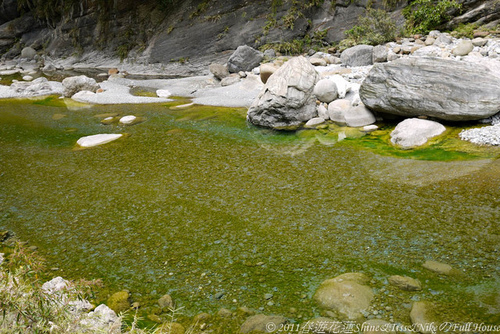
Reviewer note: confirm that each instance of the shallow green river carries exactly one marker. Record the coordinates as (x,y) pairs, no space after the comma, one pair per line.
(198,204)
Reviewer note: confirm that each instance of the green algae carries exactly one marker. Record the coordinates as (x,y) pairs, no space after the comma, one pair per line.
(195,202)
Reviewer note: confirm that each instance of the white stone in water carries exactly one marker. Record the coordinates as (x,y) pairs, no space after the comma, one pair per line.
(9,72)
(27,78)
(163,93)
(415,132)
(95,140)
(108,118)
(369,128)
(183,106)
(128,119)
(314,121)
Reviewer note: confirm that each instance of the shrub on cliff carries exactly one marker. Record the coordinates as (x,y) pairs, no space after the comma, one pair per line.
(423,16)
(375,27)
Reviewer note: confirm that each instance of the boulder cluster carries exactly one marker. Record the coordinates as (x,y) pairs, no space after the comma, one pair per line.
(423,80)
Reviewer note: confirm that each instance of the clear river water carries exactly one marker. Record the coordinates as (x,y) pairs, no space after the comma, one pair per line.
(198,204)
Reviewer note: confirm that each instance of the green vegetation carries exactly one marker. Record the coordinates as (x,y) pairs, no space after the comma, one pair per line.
(295,12)
(202,7)
(390,4)
(376,27)
(26,307)
(423,16)
(315,41)
(464,30)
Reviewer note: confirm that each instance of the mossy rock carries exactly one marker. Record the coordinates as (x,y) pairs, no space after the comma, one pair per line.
(172,328)
(119,302)
(4,235)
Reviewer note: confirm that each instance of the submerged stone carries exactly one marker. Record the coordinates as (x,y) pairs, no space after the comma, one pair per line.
(119,302)
(346,295)
(262,323)
(438,267)
(405,283)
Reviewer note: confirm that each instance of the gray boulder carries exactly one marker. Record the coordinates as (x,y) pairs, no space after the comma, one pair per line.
(287,99)
(359,116)
(380,53)
(326,90)
(463,48)
(218,70)
(245,58)
(230,80)
(359,55)
(28,53)
(441,88)
(73,85)
(415,132)
(337,110)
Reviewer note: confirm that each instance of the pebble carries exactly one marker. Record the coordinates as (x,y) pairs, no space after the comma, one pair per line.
(488,135)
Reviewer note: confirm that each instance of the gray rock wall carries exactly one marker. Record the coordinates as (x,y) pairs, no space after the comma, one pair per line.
(150,32)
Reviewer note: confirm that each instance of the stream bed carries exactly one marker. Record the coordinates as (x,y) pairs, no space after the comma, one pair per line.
(198,204)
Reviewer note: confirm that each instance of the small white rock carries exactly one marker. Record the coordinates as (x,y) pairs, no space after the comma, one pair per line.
(95,140)
(369,128)
(314,121)
(128,119)
(163,93)
(27,78)
(182,106)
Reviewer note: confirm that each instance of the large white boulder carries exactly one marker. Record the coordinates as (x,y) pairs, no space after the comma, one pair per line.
(287,99)
(415,132)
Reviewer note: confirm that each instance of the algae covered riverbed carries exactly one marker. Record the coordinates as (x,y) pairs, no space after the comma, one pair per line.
(195,203)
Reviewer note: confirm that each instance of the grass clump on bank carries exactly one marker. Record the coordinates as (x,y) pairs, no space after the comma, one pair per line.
(29,306)
(26,306)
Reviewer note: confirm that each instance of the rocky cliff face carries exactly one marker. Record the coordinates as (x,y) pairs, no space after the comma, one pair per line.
(162,31)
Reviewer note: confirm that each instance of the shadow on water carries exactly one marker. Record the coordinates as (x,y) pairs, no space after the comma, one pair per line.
(196,203)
